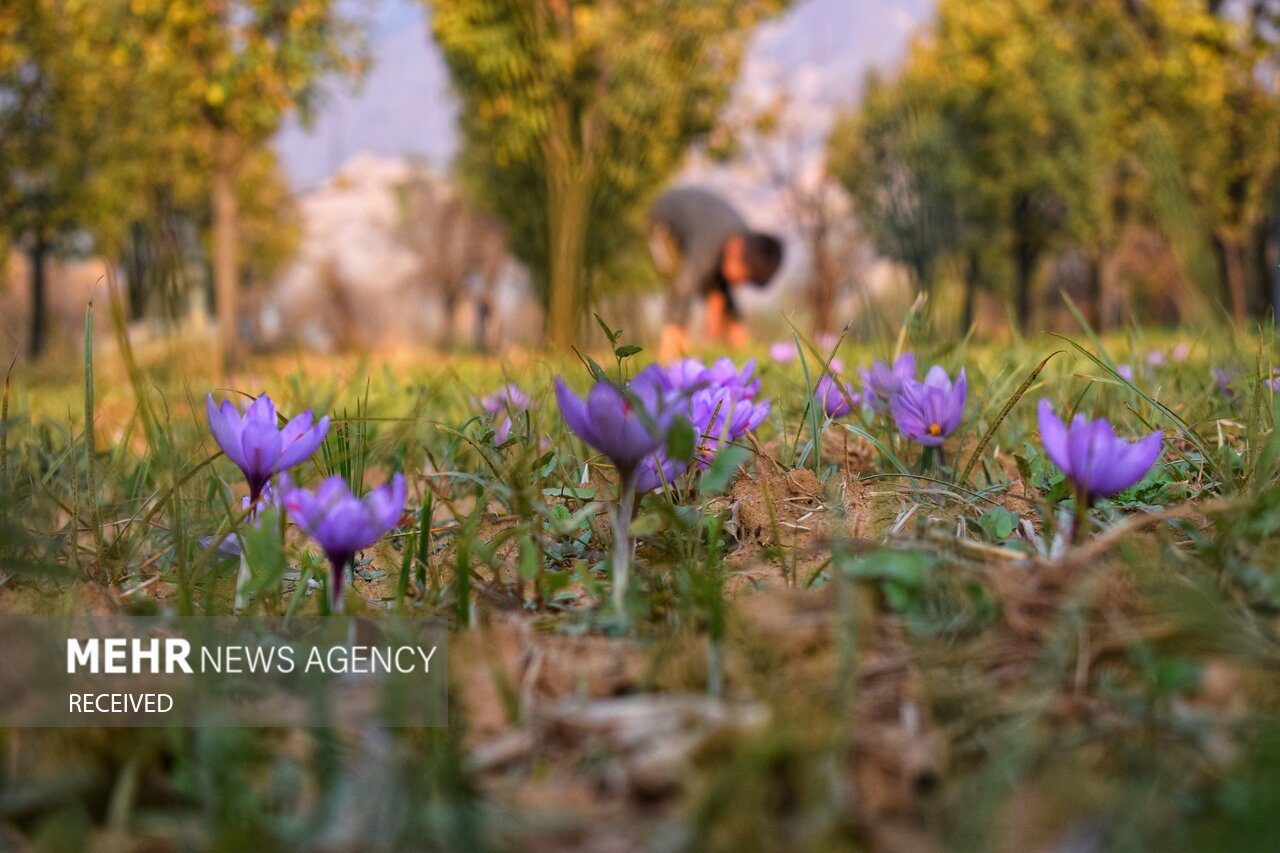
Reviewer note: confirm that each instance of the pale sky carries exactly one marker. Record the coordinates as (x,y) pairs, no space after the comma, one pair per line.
(404,107)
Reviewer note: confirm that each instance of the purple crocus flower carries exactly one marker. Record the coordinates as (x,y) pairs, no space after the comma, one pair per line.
(625,426)
(343,524)
(1222,378)
(882,383)
(647,477)
(686,375)
(723,415)
(929,411)
(502,405)
(783,352)
(725,374)
(1092,457)
(257,445)
(722,407)
(836,397)
(1125,371)
(629,427)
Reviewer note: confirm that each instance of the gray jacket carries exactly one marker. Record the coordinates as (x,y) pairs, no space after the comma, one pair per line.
(697,222)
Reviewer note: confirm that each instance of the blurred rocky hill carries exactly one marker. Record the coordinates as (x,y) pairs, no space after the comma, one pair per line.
(392,254)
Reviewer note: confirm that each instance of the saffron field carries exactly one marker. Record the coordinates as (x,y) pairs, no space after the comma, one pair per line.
(764,603)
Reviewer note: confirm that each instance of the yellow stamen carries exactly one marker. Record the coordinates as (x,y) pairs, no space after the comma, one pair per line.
(935,429)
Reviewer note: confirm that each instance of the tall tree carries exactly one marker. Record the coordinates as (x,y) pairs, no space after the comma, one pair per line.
(989,136)
(1153,115)
(60,86)
(1249,50)
(576,111)
(1190,124)
(235,69)
(1026,112)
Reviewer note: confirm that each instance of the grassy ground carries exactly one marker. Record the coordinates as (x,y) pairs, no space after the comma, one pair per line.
(831,650)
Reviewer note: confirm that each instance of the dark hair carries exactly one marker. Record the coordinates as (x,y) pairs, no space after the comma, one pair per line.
(762,254)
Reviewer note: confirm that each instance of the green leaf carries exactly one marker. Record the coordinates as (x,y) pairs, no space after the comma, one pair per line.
(263,552)
(680,439)
(597,372)
(998,523)
(722,469)
(528,559)
(906,569)
(1024,469)
(608,332)
(648,524)
(554,582)
(582,493)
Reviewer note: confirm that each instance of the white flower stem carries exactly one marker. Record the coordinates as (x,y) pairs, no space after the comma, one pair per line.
(337,572)
(622,544)
(243,578)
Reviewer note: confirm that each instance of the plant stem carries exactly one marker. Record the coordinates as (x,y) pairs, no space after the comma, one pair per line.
(926,460)
(337,568)
(1082,517)
(622,543)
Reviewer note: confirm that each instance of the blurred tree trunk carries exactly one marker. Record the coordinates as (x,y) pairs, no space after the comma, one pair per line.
(38,255)
(1024,259)
(1271,257)
(451,298)
(1229,250)
(135,262)
(972,276)
(822,293)
(569,201)
(226,250)
(1264,261)
(1094,309)
(483,310)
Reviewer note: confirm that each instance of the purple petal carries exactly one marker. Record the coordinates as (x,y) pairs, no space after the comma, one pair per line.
(226,426)
(1127,464)
(1053,435)
(905,367)
(959,392)
(1084,439)
(759,413)
(937,378)
(346,528)
(620,430)
(332,489)
(386,503)
(833,399)
(303,508)
(906,413)
(299,439)
(574,410)
(502,430)
(228,547)
(782,352)
(262,410)
(647,476)
(260,443)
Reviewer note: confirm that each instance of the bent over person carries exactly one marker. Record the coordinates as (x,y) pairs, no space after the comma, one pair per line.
(707,251)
